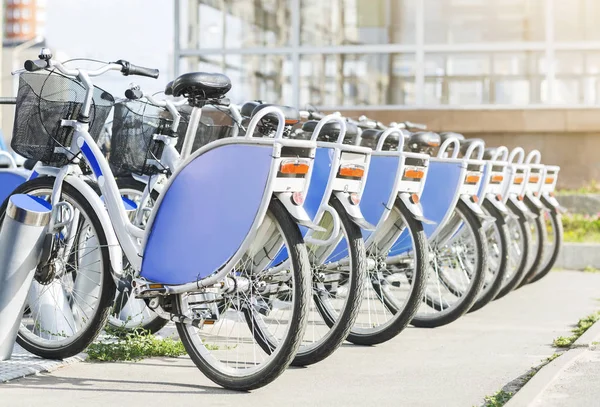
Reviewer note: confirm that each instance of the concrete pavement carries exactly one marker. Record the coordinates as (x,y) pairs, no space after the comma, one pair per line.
(455,365)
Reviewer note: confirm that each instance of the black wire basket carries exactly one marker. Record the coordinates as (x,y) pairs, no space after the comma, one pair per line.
(215,124)
(132,145)
(132,148)
(43,100)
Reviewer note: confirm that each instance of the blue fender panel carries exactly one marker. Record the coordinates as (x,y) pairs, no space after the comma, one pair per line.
(380,185)
(9,181)
(206,213)
(440,187)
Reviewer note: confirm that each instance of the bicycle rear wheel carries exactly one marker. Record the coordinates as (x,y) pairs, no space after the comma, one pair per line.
(70,298)
(518,249)
(554,238)
(259,298)
(395,281)
(456,273)
(536,246)
(337,288)
(497,242)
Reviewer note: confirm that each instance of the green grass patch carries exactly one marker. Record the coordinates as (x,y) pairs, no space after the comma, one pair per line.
(124,345)
(582,325)
(497,400)
(592,188)
(581,228)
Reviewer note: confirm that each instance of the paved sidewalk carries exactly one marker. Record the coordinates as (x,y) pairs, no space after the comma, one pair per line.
(455,365)
(23,363)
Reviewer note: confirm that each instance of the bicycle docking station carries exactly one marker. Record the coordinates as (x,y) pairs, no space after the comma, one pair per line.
(21,239)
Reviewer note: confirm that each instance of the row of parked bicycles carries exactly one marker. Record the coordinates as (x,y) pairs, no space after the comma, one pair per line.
(268,235)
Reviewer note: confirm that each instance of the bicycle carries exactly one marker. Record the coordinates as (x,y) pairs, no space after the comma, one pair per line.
(249,225)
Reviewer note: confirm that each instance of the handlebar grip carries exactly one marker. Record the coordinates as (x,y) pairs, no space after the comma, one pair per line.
(131,69)
(34,65)
(134,94)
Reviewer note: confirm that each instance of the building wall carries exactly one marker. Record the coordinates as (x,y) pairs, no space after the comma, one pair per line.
(566,137)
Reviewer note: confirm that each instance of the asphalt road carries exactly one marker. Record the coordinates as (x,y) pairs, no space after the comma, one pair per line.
(455,365)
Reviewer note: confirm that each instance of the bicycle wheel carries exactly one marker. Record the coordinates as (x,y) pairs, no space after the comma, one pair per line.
(536,246)
(518,249)
(497,255)
(395,281)
(267,298)
(69,300)
(337,286)
(131,313)
(553,239)
(457,271)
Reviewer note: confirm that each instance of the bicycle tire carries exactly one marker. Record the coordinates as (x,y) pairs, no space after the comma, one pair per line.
(287,348)
(107,290)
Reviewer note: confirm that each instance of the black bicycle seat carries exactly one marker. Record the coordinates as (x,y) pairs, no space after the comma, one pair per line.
(201,85)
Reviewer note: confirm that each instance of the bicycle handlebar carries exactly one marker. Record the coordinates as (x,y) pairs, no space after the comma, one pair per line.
(121,65)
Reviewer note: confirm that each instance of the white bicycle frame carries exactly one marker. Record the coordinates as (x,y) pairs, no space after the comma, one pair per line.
(120,233)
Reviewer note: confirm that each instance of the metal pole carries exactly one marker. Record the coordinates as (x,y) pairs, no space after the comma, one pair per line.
(21,240)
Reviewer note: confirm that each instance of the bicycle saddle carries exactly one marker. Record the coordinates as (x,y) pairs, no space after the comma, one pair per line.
(201,85)
(464,144)
(248,107)
(447,134)
(489,153)
(331,131)
(169,89)
(369,137)
(291,114)
(423,140)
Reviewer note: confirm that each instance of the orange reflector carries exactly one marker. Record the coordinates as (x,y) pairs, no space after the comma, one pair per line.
(294,168)
(155,286)
(414,198)
(355,171)
(536,194)
(209,322)
(291,121)
(551,194)
(534,179)
(433,144)
(518,180)
(549,180)
(520,197)
(472,179)
(354,198)
(475,199)
(497,178)
(499,197)
(414,174)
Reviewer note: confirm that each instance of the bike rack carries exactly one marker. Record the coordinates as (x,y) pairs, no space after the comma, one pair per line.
(21,239)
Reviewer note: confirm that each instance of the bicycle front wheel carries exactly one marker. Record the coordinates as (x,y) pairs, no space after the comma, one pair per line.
(70,297)
(252,330)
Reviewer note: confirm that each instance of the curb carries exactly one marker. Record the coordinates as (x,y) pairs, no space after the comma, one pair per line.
(529,393)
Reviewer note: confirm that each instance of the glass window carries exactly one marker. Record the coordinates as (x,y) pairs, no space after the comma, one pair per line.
(26,13)
(349,79)
(577,20)
(16,28)
(25,28)
(237,23)
(352,22)
(471,21)
(253,76)
(483,78)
